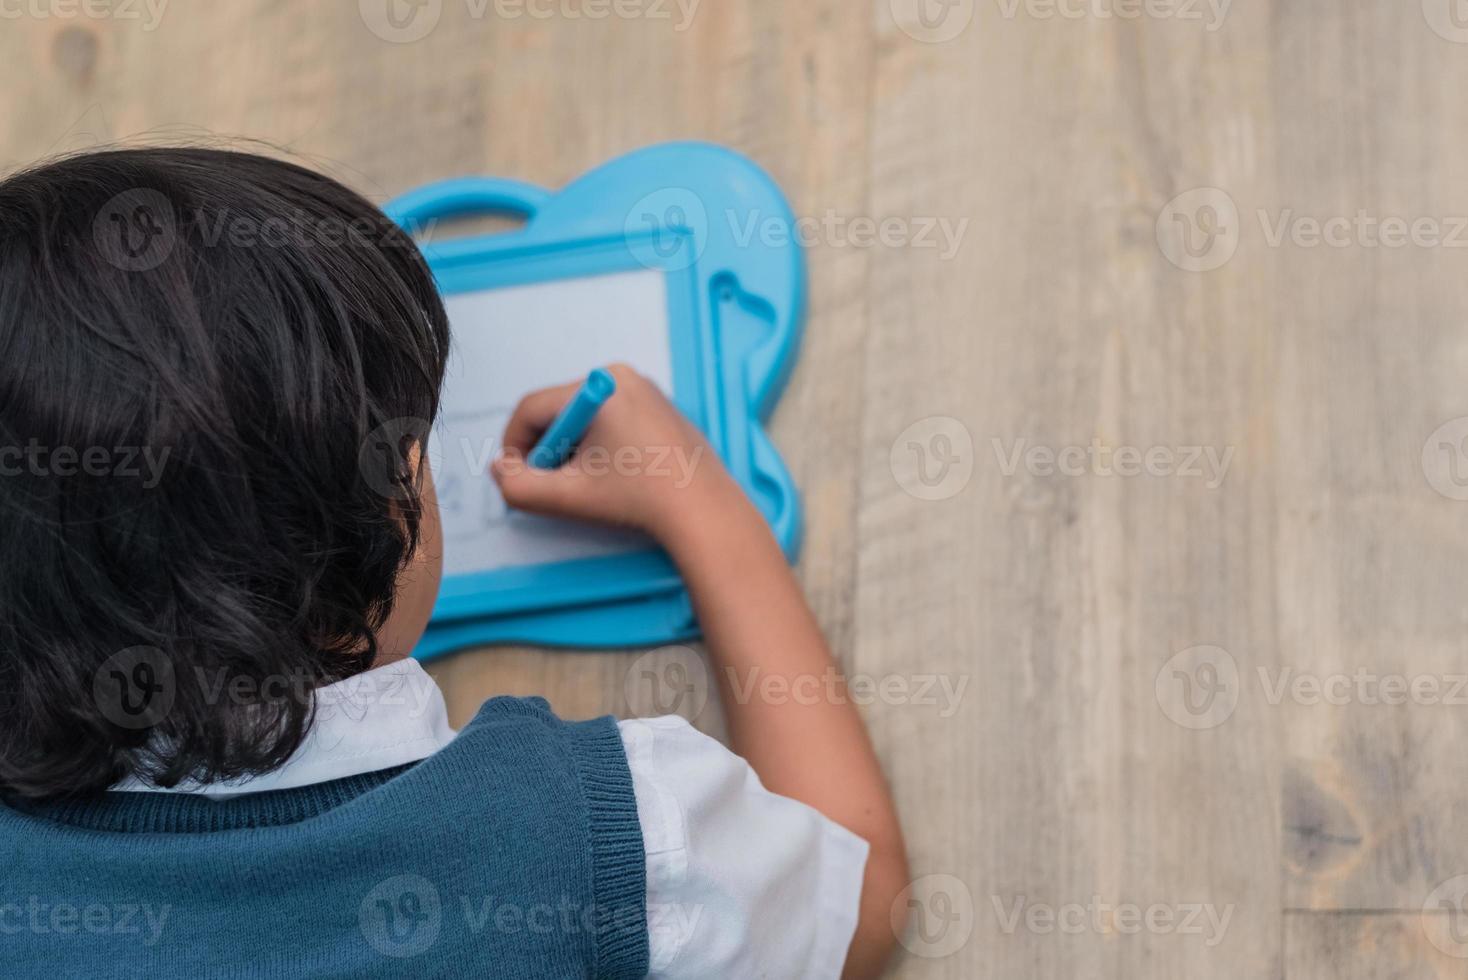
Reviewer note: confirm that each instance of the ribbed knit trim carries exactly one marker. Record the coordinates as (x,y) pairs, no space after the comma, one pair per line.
(618,858)
(175,813)
(619,862)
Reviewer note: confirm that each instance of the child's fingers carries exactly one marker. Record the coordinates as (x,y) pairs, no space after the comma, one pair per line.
(538,491)
(534,415)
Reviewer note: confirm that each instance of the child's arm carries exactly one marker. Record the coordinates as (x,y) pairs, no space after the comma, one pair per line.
(809,743)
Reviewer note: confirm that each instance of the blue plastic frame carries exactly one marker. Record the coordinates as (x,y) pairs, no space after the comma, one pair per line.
(723,235)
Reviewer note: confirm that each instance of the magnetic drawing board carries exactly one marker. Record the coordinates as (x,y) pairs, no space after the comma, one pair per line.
(511,341)
(642,261)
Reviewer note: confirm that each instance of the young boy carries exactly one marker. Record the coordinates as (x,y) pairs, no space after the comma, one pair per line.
(216,756)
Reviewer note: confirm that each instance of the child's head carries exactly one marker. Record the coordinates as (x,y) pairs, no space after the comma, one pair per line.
(212,369)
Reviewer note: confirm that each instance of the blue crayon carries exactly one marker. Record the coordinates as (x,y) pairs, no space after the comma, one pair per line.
(555,447)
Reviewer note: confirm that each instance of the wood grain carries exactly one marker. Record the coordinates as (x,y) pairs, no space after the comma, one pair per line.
(1042,614)
(1369,947)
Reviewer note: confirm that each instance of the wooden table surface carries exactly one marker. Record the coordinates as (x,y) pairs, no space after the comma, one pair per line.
(1131,444)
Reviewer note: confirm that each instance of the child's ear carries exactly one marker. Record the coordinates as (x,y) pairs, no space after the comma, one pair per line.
(418,582)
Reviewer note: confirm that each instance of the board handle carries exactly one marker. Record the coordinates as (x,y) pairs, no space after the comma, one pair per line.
(464,196)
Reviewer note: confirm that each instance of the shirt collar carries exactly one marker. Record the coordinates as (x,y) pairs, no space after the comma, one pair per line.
(389,716)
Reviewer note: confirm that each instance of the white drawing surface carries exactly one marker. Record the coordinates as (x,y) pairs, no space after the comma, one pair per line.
(511,341)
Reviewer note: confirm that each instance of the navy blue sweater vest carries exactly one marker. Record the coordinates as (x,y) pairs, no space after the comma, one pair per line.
(514,852)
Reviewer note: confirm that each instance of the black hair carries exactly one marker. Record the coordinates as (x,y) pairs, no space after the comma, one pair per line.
(201,354)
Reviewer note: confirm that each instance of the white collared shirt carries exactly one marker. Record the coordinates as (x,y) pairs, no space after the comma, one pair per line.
(716,906)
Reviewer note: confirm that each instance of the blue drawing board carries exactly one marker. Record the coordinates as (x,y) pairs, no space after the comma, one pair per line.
(681,259)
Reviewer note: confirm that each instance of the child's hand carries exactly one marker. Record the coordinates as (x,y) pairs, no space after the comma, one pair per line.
(641,464)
